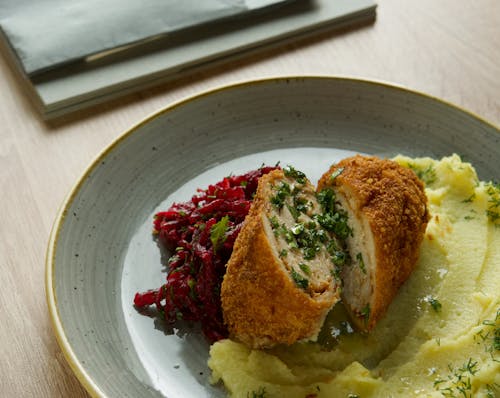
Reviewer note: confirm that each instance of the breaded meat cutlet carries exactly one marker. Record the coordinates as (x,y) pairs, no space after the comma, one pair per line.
(387,214)
(280,281)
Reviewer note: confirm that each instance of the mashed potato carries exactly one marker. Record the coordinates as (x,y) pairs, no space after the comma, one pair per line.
(441,335)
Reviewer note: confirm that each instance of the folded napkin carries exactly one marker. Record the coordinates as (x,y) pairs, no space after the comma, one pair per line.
(45,34)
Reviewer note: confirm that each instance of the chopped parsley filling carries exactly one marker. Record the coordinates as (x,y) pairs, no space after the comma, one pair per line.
(365,312)
(299,280)
(361,262)
(297,175)
(309,234)
(305,268)
(282,193)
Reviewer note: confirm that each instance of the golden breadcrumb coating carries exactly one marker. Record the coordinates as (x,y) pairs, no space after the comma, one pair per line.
(386,203)
(262,305)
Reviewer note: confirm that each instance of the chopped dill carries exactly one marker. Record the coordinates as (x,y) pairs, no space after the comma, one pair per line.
(260,393)
(491,390)
(428,175)
(470,198)
(493,211)
(489,335)
(458,383)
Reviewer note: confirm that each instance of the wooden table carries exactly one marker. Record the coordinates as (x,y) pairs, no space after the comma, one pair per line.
(448,48)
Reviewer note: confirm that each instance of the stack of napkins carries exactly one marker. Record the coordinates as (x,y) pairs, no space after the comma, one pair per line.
(81,52)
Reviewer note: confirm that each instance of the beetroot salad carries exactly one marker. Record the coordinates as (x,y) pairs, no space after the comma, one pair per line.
(200,234)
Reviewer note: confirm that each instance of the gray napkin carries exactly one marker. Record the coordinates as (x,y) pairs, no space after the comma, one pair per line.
(46,34)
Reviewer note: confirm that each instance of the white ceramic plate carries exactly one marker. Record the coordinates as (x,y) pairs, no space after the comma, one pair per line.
(101,250)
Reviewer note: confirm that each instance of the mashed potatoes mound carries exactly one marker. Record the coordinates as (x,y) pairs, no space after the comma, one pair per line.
(441,335)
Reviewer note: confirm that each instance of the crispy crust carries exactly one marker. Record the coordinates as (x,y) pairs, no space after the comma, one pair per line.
(393,201)
(262,306)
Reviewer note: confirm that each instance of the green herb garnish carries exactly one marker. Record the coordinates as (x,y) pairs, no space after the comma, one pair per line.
(288,236)
(458,382)
(282,193)
(297,175)
(192,291)
(493,211)
(274,222)
(336,223)
(326,198)
(309,252)
(305,268)
(335,273)
(300,204)
(340,258)
(293,211)
(491,390)
(218,233)
(297,229)
(336,173)
(173,259)
(434,302)
(310,241)
(361,263)
(260,393)
(470,199)
(490,336)
(365,312)
(428,175)
(299,280)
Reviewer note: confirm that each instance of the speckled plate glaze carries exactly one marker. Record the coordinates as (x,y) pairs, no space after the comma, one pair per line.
(101,250)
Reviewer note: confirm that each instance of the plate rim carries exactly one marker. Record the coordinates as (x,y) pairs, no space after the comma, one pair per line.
(51,298)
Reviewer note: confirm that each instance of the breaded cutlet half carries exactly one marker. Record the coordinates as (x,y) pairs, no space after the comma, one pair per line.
(268,298)
(387,213)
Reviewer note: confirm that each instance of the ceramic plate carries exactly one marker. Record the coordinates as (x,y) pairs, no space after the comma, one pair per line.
(101,250)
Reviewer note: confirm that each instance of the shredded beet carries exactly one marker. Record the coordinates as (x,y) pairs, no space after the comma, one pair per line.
(201,234)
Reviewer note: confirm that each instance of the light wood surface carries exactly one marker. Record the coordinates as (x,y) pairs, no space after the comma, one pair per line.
(449,49)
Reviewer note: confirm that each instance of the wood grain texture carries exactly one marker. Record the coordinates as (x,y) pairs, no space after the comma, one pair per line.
(448,49)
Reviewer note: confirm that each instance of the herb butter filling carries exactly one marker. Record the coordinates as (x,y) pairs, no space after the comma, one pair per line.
(308,229)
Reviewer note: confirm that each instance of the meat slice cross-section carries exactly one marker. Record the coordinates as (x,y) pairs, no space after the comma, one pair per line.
(387,215)
(283,276)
